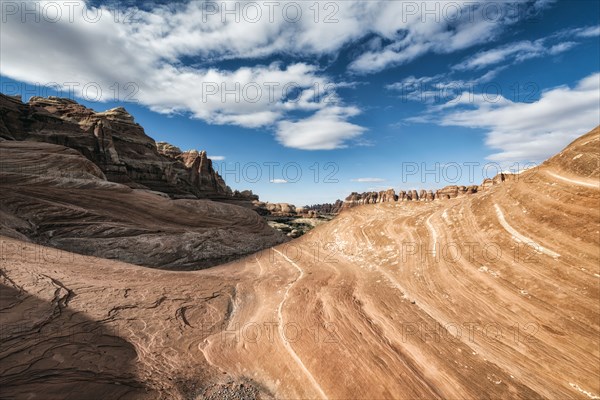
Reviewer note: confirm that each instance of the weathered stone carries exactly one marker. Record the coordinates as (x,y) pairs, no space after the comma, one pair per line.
(114,142)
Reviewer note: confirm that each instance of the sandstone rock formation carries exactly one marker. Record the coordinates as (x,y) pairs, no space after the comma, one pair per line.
(496,296)
(387,196)
(327,208)
(447,192)
(113,141)
(96,184)
(201,174)
(275,209)
(52,195)
(290,210)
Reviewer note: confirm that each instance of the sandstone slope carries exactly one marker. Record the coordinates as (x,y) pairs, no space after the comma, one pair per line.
(52,195)
(494,295)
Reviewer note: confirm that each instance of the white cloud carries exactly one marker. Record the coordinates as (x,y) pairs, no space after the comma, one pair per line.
(217,158)
(144,57)
(327,129)
(249,97)
(278,181)
(195,29)
(141,59)
(513,53)
(531,131)
(587,32)
(368,180)
(418,28)
(325,27)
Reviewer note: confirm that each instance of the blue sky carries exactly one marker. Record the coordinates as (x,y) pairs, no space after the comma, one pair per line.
(380,94)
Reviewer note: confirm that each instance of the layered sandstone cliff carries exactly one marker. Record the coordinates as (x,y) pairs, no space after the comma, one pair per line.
(115,143)
(96,184)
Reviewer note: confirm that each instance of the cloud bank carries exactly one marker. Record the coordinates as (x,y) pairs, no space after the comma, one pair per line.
(169,57)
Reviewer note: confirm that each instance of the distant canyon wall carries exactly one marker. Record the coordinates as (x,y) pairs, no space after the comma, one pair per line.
(448,192)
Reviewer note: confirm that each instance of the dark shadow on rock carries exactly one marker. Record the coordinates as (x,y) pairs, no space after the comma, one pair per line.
(47,351)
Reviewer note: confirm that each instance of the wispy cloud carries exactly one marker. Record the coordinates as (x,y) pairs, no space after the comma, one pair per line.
(444,90)
(585,32)
(439,88)
(217,158)
(517,52)
(527,131)
(413,34)
(278,181)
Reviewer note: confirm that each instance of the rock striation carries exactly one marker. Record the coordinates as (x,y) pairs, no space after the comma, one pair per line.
(88,328)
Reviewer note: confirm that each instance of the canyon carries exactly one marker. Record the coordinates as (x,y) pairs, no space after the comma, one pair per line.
(492,291)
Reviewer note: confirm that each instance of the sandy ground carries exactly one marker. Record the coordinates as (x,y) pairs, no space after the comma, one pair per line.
(494,295)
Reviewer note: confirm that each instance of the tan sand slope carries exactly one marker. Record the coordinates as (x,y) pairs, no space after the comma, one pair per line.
(494,295)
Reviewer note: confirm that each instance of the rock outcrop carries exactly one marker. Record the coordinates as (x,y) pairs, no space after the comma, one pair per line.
(52,195)
(448,192)
(387,196)
(199,170)
(275,209)
(291,211)
(115,143)
(327,208)
(96,184)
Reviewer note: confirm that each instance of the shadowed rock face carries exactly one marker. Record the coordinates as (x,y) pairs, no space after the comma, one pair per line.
(95,184)
(53,195)
(63,338)
(113,141)
(49,349)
